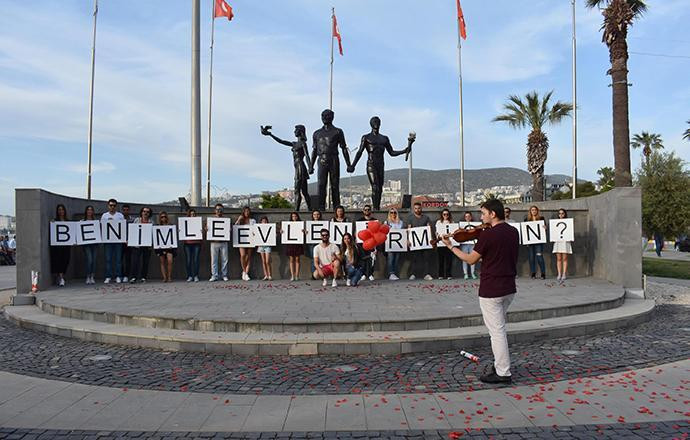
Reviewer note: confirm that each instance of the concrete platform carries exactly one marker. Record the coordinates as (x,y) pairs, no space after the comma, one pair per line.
(307,307)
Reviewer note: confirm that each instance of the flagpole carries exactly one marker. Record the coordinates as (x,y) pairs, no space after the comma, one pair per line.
(330,100)
(195,189)
(461,131)
(574,105)
(210,102)
(93,74)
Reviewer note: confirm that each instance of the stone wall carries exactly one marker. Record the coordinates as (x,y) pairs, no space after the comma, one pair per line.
(607,239)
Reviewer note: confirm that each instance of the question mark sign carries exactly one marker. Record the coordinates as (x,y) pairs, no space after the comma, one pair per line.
(565,226)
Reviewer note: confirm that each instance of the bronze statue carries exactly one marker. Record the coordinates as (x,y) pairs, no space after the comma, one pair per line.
(299,152)
(326,141)
(376,145)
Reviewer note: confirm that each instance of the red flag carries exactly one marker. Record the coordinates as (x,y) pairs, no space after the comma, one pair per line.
(223,9)
(336,34)
(461,21)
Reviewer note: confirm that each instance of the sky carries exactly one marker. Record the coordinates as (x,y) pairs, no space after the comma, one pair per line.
(271,66)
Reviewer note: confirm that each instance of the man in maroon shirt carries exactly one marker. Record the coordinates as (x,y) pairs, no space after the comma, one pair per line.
(498,249)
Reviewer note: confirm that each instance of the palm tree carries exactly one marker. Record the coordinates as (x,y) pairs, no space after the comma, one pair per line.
(618,16)
(534,112)
(686,135)
(648,142)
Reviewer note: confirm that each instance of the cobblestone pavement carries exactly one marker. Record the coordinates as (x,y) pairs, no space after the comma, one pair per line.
(648,431)
(666,338)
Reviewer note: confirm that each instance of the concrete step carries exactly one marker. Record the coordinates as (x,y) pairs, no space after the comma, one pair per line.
(631,312)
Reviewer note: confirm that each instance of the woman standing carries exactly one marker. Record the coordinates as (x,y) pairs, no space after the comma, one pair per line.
(562,249)
(60,255)
(393,258)
(535,252)
(445,256)
(316,217)
(352,259)
(166,255)
(141,255)
(191,253)
(90,249)
(245,253)
(294,252)
(339,215)
(265,252)
(469,269)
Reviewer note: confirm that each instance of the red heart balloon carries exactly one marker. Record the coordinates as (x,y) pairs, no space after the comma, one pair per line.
(373,226)
(364,235)
(380,238)
(369,244)
(384,229)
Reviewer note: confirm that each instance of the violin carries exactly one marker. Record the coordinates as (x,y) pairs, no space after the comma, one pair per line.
(468,234)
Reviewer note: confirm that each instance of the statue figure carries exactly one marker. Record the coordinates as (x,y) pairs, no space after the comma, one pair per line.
(299,152)
(376,145)
(326,141)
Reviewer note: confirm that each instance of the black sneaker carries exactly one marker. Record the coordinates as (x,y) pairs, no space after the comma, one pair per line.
(543,277)
(534,276)
(495,378)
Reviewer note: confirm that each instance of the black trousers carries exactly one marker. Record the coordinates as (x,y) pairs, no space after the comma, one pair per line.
(140,262)
(445,261)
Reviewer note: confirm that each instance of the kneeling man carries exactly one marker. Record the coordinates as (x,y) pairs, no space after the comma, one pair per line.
(326,259)
(498,249)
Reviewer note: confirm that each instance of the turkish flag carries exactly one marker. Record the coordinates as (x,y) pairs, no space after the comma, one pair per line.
(336,34)
(461,21)
(223,9)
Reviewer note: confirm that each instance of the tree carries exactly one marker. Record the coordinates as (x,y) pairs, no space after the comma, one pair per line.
(606,179)
(618,16)
(274,201)
(686,135)
(535,113)
(585,189)
(665,183)
(648,142)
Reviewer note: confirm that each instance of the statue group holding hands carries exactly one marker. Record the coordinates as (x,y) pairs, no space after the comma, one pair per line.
(325,143)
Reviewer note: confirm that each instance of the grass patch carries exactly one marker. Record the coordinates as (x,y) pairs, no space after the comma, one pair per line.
(666,268)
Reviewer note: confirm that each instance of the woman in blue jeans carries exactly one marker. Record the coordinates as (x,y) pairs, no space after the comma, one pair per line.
(191,254)
(90,249)
(353,255)
(535,252)
(393,258)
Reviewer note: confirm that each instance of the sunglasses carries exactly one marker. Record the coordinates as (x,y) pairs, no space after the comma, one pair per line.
(112,205)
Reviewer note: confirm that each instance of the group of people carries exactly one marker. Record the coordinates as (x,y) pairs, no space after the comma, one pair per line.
(348,261)
(8,250)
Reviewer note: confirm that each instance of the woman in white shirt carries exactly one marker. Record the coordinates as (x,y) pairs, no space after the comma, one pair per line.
(246,253)
(445,256)
(562,249)
(393,258)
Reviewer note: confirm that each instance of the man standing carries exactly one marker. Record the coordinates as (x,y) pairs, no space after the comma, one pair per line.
(219,252)
(326,141)
(113,251)
(326,259)
(498,249)
(419,258)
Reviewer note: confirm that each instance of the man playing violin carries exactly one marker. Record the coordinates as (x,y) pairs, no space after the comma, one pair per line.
(498,248)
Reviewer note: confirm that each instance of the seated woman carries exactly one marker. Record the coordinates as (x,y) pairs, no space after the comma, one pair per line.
(353,259)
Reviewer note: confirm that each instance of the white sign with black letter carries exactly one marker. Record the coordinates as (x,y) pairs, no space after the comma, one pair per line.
(264,234)
(242,236)
(562,229)
(396,240)
(419,238)
(517,226)
(140,234)
(533,232)
(189,228)
(338,229)
(63,233)
(217,229)
(314,231)
(114,231)
(360,226)
(164,236)
(292,232)
(446,229)
(88,232)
